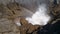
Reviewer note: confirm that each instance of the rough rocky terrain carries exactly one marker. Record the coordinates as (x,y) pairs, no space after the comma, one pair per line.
(7,15)
(10,11)
(8,27)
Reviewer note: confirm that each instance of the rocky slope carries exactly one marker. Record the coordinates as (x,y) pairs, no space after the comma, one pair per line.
(13,10)
(7,15)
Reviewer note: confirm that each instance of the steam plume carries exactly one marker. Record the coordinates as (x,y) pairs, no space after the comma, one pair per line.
(40,17)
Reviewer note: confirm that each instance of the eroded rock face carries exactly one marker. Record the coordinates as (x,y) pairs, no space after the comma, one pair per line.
(26,27)
(7,15)
(12,11)
(7,27)
(6,23)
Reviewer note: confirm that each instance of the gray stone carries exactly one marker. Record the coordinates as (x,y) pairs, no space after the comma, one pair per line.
(5,25)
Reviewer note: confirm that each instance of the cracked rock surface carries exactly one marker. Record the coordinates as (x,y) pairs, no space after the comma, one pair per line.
(8,13)
(7,27)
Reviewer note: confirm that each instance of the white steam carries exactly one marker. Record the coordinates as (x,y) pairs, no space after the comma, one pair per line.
(40,17)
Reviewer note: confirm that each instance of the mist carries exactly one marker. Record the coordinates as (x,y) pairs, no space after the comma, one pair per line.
(37,13)
(40,17)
